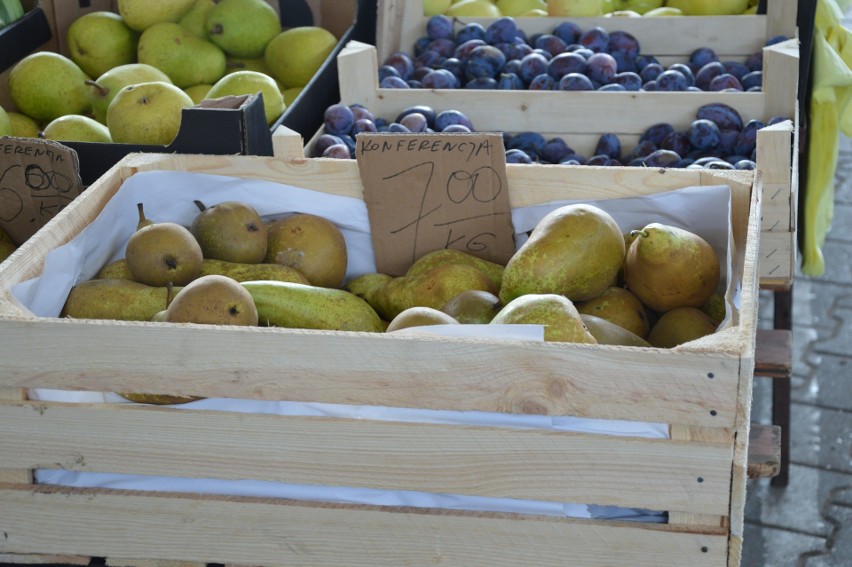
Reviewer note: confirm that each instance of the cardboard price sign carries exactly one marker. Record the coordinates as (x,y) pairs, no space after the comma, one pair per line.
(425,192)
(37,179)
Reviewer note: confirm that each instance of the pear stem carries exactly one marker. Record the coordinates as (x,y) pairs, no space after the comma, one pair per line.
(141,209)
(169,295)
(201,206)
(642,233)
(102,90)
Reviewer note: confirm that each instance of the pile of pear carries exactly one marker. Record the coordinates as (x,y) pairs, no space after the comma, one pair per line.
(130,74)
(577,275)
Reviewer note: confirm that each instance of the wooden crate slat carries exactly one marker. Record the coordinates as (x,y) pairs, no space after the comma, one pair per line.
(579,468)
(774,353)
(246,531)
(356,368)
(764,451)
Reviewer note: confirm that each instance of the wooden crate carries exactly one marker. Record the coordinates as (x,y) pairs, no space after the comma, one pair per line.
(581,117)
(702,390)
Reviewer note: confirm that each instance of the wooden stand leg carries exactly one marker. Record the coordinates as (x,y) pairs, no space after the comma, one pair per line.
(783,319)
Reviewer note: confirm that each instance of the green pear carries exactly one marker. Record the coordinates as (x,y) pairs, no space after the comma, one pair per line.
(76,128)
(147,113)
(234,64)
(473,306)
(231,231)
(474,9)
(251,82)
(22,125)
(433,288)
(365,286)
(419,317)
(242,28)
(46,85)
(575,251)
(298,306)
(195,20)
(620,307)
(186,58)
(213,300)
(5,123)
(607,333)
(198,92)
(99,41)
(6,249)
(118,269)
(119,299)
(680,325)
(104,89)
(295,55)
(142,14)
(291,94)
(562,322)
(452,256)
(668,267)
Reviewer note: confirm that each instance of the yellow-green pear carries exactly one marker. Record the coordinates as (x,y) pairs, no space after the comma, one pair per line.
(104,89)
(365,286)
(22,125)
(76,128)
(118,299)
(295,55)
(435,7)
(473,306)
(6,249)
(46,85)
(574,8)
(291,94)
(197,92)
(163,252)
(668,267)
(680,325)
(147,113)
(186,58)
(709,7)
(452,256)
(242,28)
(247,83)
(516,8)
(474,9)
(575,251)
(608,333)
(231,231)
(234,64)
(5,123)
(620,307)
(561,320)
(298,306)
(419,317)
(195,20)
(99,41)
(142,14)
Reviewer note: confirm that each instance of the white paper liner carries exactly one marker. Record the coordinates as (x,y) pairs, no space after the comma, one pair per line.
(169,195)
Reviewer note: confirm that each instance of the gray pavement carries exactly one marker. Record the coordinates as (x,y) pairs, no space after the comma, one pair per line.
(809,522)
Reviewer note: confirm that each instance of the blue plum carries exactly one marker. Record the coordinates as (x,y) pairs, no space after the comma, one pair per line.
(704,134)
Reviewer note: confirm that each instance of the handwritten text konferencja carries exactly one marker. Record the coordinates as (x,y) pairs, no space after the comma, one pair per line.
(406,144)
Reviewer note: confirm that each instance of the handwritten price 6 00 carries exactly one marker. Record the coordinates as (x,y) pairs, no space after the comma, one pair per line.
(460,190)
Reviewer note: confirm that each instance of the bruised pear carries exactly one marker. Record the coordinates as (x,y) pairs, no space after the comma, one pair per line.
(451,256)
(561,320)
(310,244)
(575,251)
(619,306)
(420,317)
(432,288)
(668,267)
(680,325)
(473,306)
(608,333)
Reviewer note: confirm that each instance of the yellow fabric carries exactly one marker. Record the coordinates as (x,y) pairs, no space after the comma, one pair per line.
(830,114)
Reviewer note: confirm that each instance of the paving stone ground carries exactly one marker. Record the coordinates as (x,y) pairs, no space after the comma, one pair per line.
(809,523)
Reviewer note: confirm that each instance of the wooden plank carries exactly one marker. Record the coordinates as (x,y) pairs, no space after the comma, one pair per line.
(781,78)
(774,353)
(287,143)
(34,559)
(234,530)
(777,258)
(516,111)
(375,369)
(703,435)
(781,18)
(13,474)
(497,462)
(401,23)
(764,451)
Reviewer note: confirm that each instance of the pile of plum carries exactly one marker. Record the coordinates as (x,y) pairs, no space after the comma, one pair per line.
(718,138)
(502,57)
